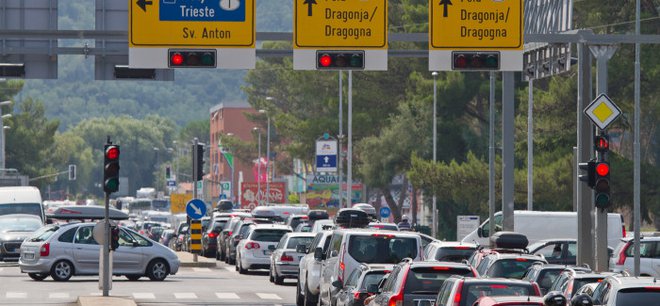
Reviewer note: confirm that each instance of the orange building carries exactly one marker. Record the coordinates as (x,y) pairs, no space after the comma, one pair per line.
(228,117)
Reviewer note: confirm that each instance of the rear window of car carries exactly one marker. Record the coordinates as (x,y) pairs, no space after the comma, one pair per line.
(472,292)
(510,268)
(295,241)
(268,235)
(428,280)
(455,254)
(43,233)
(578,283)
(381,248)
(218,225)
(638,296)
(372,278)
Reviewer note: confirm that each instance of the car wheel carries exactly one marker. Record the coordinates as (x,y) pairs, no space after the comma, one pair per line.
(133,277)
(310,299)
(279,280)
(38,276)
(270,275)
(300,299)
(158,270)
(61,271)
(240,267)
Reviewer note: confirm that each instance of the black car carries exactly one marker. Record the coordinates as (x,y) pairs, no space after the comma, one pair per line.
(507,265)
(414,283)
(546,275)
(354,292)
(210,236)
(570,280)
(224,237)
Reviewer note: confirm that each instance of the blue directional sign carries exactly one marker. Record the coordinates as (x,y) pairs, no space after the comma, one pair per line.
(171,183)
(201,10)
(326,162)
(196,209)
(385,212)
(326,155)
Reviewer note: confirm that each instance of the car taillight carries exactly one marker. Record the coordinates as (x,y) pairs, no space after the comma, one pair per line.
(252,245)
(457,297)
(285,257)
(229,233)
(521,259)
(462,248)
(441,268)
(44,250)
(537,289)
(622,255)
(386,236)
(212,235)
(652,288)
(356,295)
(623,230)
(395,300)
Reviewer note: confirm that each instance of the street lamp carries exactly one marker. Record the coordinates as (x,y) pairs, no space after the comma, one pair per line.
(2,134)
(258,164)
(231,167)
(435,146)
(263,111)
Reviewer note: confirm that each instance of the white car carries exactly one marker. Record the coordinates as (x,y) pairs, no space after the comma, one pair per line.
(623,258)
(254,251)
(309,272)
(285,259)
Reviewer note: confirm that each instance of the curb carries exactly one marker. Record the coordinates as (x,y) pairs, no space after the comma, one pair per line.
(105,301)
(8,264)
(201,264)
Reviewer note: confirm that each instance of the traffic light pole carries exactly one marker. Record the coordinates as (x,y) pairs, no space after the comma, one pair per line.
(602,53)
(106,247)
(585,203)
(195,162)
(507,150)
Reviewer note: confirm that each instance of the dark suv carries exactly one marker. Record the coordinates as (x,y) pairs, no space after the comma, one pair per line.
(571,280)
(417,283)
(507,265)
(545,275)
(464,291)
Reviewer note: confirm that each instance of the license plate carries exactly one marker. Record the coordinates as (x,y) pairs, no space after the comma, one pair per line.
(28,256)
(268,252)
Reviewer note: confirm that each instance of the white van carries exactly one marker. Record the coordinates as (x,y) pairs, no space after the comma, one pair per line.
(21,200)
(539,225)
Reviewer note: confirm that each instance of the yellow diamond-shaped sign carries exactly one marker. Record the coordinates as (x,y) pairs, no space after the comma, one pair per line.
(602,111)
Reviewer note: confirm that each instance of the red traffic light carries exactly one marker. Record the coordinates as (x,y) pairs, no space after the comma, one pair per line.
(476,61)
(602,143)
(603,169)
(112,152)
(192,58)
(325,60)
(176,59)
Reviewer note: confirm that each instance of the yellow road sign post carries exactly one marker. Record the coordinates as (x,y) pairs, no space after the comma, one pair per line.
(340,25)
(196,236)
(476,25)
(226,25)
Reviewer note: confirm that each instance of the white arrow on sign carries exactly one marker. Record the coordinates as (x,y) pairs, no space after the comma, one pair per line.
(326,159)
(196,209)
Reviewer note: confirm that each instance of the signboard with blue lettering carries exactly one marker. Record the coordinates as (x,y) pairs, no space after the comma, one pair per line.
(326,155)
(196,209)
(202,10)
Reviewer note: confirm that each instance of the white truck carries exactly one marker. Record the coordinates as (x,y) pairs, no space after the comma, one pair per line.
(21,200)
(539,225)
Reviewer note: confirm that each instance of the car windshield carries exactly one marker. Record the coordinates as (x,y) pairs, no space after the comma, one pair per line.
(428,280)
(43,233)
(372,278)
(268,235)
(472,292)
(510,268)
(455,254)
(21,208)
(578,283)
(295,241)
(381,248)
(19,224)
(638,296)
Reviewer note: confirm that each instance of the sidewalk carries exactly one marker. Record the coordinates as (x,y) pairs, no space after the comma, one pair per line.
(202,262)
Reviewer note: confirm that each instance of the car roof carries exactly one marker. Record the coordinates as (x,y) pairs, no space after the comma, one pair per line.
(633,281)
(301,234)
(271,226)
(511,298)
(418,264)
(453,244)
(499,256)
(497,280)
(370,231)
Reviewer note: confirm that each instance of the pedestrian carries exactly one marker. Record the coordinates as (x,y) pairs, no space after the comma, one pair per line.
(404,225)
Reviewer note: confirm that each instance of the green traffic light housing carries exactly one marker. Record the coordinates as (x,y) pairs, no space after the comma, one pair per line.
(192,58)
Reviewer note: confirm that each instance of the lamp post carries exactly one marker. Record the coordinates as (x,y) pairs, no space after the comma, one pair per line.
(263,111)
(435,146)
(258,165)
(231,167)
(2,134)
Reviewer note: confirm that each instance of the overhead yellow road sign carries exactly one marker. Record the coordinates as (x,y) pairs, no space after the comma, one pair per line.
(476,24)
(602,111)
(191,23)
(340,23)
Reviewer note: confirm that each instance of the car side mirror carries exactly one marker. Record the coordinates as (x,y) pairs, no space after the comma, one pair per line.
(318,254)
(301,248)
(337,284)
(372,289)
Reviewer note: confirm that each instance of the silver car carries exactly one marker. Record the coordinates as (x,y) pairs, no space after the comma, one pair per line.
(61,251)
(286,257)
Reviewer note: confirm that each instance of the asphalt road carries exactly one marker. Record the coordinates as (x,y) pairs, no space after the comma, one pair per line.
(219,285)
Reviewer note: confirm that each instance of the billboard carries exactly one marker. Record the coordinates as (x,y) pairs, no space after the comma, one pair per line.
(252,197)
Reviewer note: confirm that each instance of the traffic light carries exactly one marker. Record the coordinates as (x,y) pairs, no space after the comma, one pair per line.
(114,237)
(340,60)
(192,58)
(590,175)
(111,168)
(199,153)
(475,60)
(602,186)
(602,143)
(168,172)
(72,172)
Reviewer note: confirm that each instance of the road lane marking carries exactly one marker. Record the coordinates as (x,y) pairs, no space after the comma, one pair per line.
(268,296)
(16,295)
(58,295)
(185,295)
(201,270)
(144,295)
(227,296)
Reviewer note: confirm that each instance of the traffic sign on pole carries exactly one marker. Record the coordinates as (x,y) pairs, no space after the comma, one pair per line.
(196,209)
(476,25)
(227,25)
(602,111)
(347,25)
(326,155)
